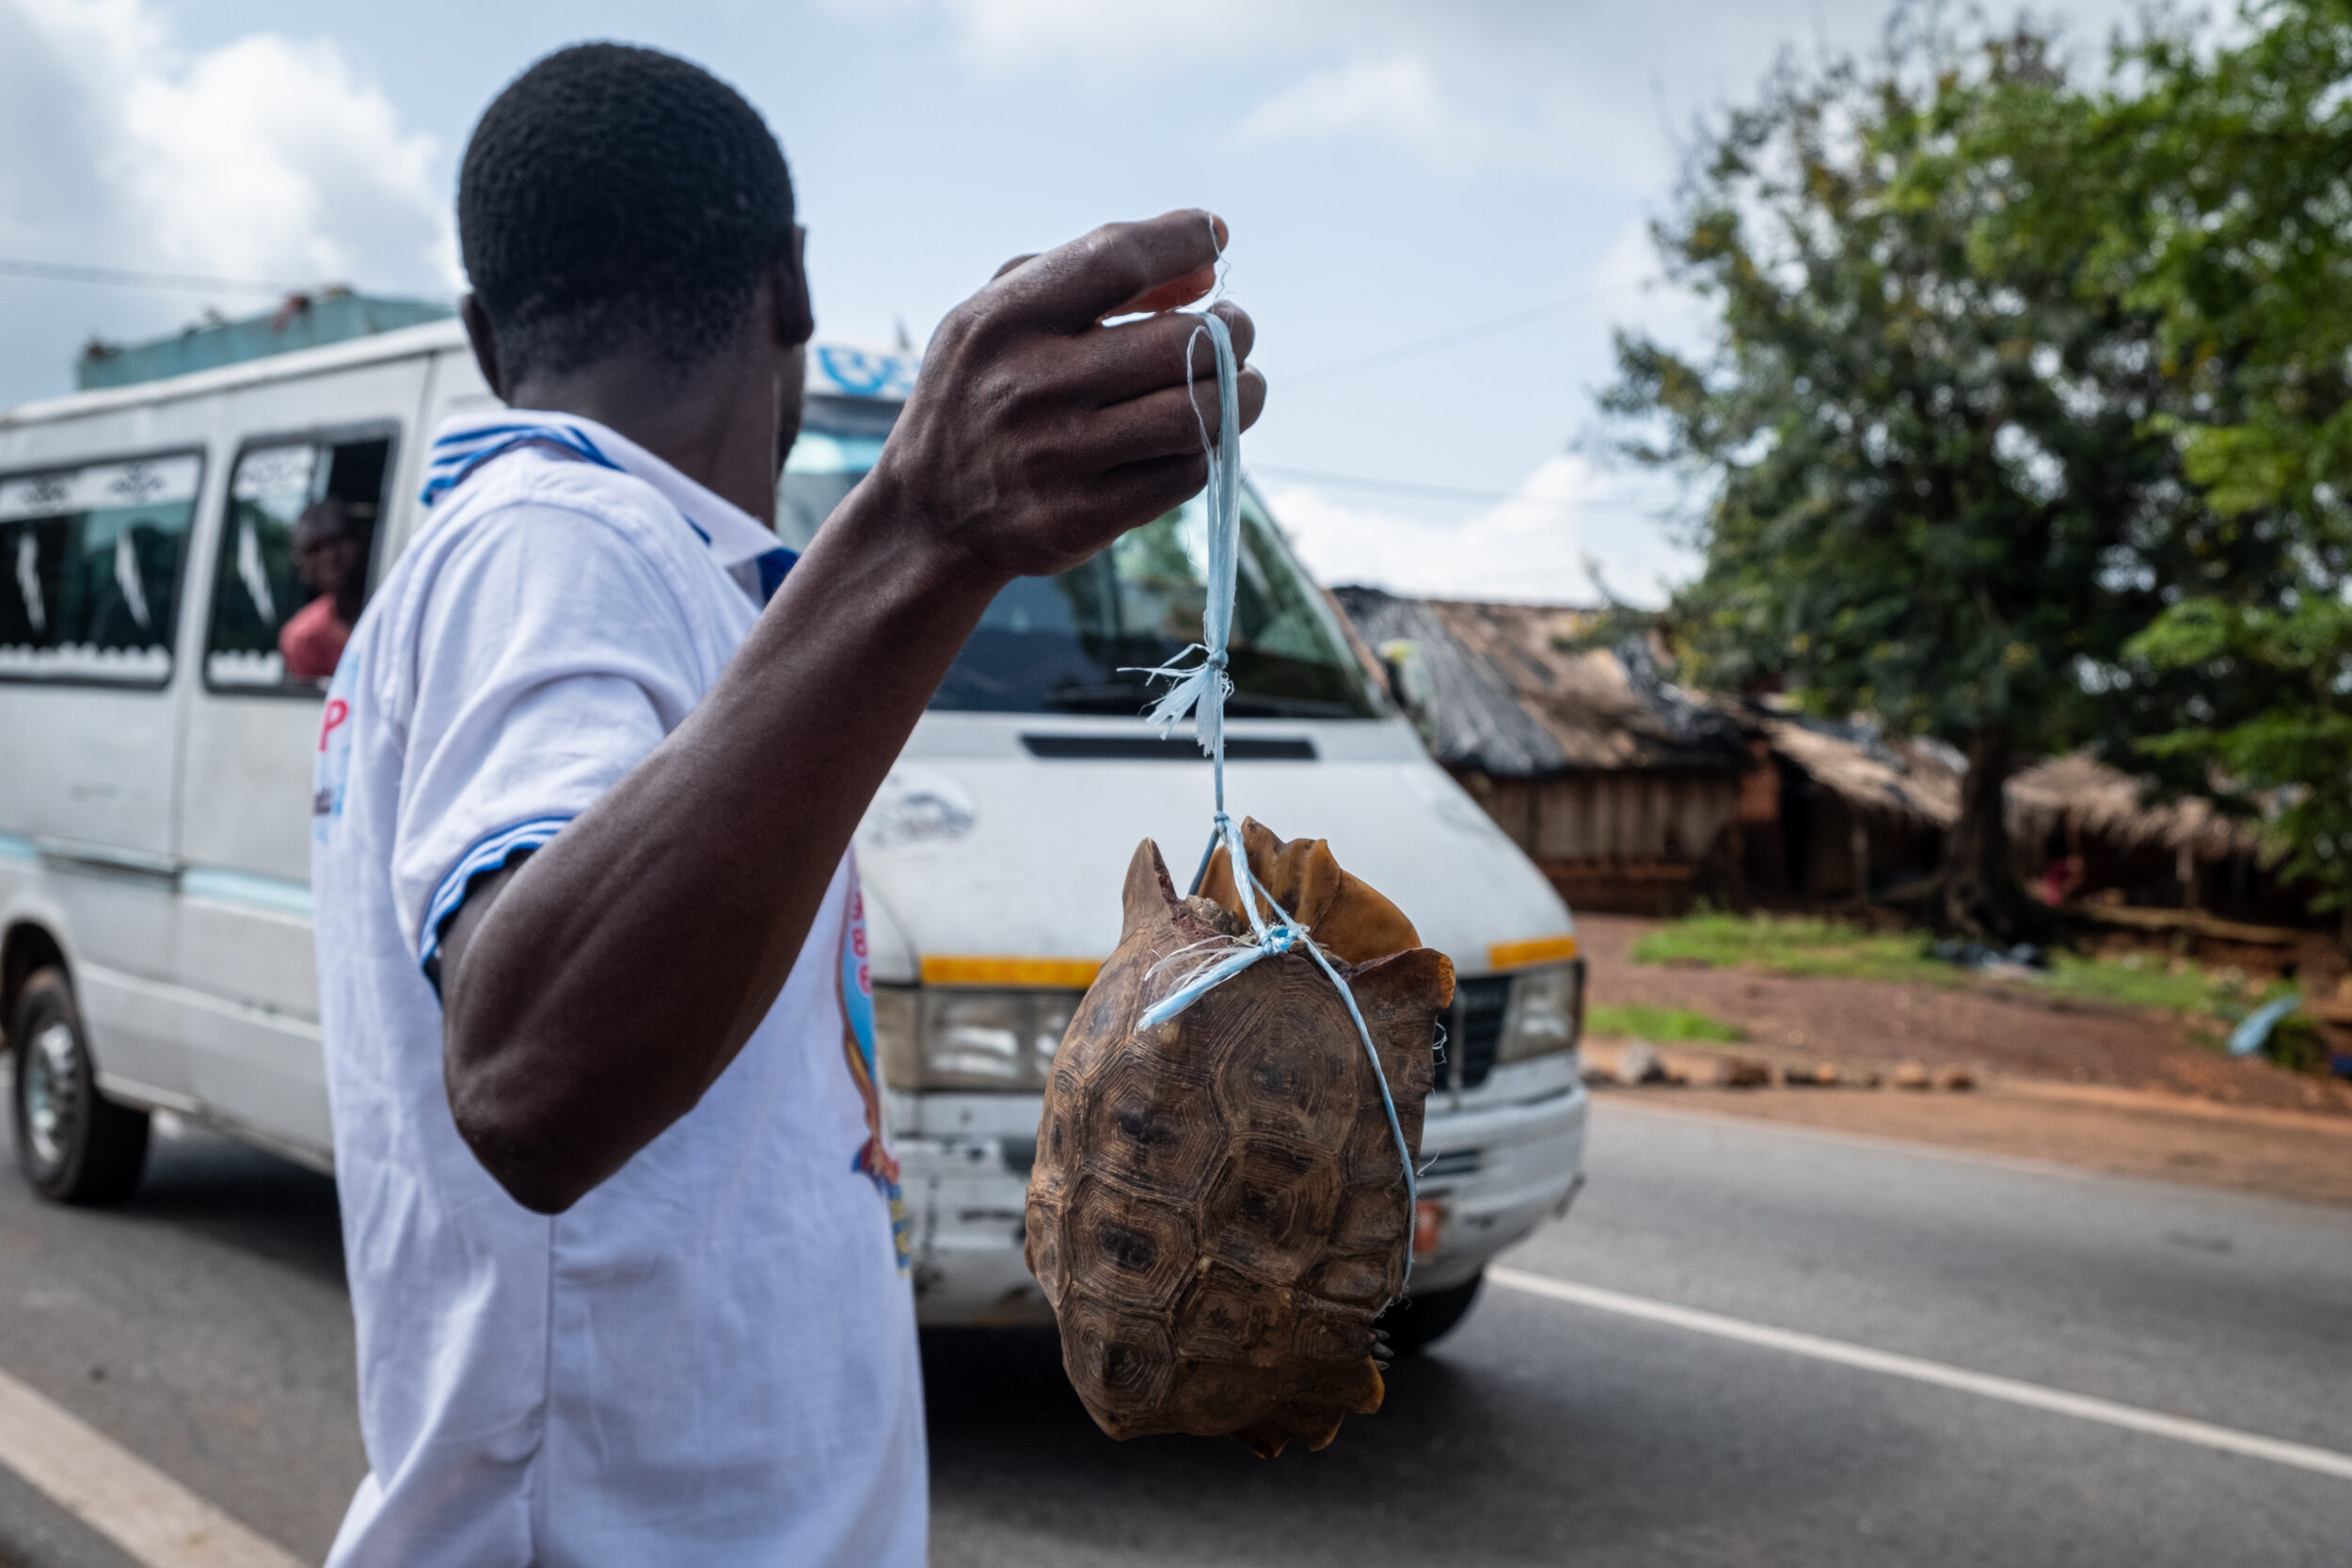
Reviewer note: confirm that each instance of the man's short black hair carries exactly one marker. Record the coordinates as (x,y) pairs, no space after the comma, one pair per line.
(618,200)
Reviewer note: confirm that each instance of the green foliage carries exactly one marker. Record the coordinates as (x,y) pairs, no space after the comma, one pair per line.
(1938,491)
(2293,756)
(1946,484)
(1638,1019)
(2212,187)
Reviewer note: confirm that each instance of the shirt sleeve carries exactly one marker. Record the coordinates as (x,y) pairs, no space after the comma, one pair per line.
(551,654)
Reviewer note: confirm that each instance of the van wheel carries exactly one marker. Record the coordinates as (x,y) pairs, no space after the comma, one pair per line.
(1420,1320)
(73,1144)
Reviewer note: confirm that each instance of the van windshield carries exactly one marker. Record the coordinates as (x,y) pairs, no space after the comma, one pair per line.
(1073,643)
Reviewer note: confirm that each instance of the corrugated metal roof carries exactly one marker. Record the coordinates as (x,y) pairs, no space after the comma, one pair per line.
(1513,696)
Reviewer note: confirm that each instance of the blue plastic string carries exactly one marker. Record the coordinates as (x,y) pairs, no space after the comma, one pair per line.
(1201,690)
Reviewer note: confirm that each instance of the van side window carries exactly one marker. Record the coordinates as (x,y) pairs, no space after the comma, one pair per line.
(90,569)
(292,572)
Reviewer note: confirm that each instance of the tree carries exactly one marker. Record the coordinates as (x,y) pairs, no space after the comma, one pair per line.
(2212,187)
(1940,492)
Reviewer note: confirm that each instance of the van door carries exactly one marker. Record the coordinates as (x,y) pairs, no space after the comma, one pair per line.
(93,559)
(287,571)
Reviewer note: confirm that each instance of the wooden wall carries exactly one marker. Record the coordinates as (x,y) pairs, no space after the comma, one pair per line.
(1619,840)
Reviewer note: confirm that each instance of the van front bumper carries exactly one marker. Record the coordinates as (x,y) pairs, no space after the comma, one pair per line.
(1496,1167)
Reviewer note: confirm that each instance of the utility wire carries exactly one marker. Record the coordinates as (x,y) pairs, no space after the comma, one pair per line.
(64,272)
(1460,335)
(1450,492)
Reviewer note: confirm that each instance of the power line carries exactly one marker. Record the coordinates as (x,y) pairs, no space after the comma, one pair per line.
(1448,492)
(1460,335)
(65,272)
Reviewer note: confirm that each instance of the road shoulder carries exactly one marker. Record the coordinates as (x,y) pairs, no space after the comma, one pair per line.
(2148,1136)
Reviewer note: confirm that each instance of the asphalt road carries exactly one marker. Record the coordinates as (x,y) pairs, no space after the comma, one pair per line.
(203,1328)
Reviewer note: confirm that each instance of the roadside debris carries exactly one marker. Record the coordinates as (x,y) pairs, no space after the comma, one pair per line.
(2024,962)
(1743,1073)
(1638,1062)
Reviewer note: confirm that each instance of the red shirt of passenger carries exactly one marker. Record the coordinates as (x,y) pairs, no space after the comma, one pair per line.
(311,641)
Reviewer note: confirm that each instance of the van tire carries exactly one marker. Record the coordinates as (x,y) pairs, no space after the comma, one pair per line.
(73,1144)
(1421,1319)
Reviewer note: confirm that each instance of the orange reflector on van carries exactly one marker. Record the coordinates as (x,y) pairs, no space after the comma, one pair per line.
(964,968)
(1542,950)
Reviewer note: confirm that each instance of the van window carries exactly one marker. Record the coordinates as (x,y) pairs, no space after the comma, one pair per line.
(1075,642)
(90,569)
(291,570)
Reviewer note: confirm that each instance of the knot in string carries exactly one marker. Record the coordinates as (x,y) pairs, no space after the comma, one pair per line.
(1201,689)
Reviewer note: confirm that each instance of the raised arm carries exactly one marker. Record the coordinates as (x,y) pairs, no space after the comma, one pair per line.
(593,993)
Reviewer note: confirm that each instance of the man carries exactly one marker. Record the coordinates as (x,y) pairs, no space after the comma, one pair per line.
(618,1221)
(331,556)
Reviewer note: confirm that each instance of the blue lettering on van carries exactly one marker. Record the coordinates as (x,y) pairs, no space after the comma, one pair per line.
(868,375)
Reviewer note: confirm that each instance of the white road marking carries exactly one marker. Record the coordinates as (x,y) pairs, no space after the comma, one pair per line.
(152,1517)
(2302,1456)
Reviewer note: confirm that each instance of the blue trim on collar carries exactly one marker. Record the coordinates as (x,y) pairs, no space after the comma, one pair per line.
(773,567)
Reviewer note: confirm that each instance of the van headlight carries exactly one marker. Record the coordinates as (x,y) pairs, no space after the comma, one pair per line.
(941,1038)
(1545,1013)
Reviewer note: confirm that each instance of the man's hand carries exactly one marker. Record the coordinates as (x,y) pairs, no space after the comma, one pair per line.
(596,992)
(1036,435)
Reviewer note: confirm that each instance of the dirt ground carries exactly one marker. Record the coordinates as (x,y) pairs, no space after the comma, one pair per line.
(2112,1089)
(1993,1028)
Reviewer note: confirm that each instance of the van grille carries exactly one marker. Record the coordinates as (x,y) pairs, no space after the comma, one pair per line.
(1174,748)
(1474,1024)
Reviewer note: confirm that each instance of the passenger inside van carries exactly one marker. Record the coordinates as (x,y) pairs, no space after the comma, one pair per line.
(330,555)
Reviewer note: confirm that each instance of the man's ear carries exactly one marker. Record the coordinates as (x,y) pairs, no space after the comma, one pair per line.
(484,341)
(795,317)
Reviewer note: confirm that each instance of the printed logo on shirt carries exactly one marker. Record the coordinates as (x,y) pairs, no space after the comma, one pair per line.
(873,1157)
(330,771)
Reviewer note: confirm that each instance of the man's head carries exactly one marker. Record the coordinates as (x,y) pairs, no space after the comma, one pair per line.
(330,550)
(620,203)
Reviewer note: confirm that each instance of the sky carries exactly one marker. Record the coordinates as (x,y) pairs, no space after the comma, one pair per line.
(1479,175)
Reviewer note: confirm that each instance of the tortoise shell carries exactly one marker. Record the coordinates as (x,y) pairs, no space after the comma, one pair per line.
(1218,1210)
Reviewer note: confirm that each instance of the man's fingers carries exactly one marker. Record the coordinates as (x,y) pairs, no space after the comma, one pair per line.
(1025,256)
(1138,356)
(1169,422)
(1171,296)
(1133,494)
(1073,286)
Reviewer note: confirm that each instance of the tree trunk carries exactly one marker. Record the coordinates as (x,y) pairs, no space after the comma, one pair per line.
(1979,896)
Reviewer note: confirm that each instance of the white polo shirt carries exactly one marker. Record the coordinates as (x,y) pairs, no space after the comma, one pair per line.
(711,1359)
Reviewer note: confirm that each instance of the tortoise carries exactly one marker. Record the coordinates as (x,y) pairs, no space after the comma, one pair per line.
(1218,1209)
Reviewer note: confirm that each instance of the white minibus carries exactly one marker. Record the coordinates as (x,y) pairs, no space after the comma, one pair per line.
(155,740)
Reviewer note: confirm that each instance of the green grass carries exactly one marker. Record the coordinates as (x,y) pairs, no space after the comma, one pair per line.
(2154,983)
(1793,946)
(1639,1020)
(1830,948)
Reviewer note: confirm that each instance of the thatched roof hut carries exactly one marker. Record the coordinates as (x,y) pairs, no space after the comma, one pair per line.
(1904,780)
(1613,780)
(1513,694)
(2080,794)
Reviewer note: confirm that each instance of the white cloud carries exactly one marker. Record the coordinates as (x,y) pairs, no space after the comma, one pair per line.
(1472,84)
(265,158)
(1014,30)
(1532,548)
(1397,97)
